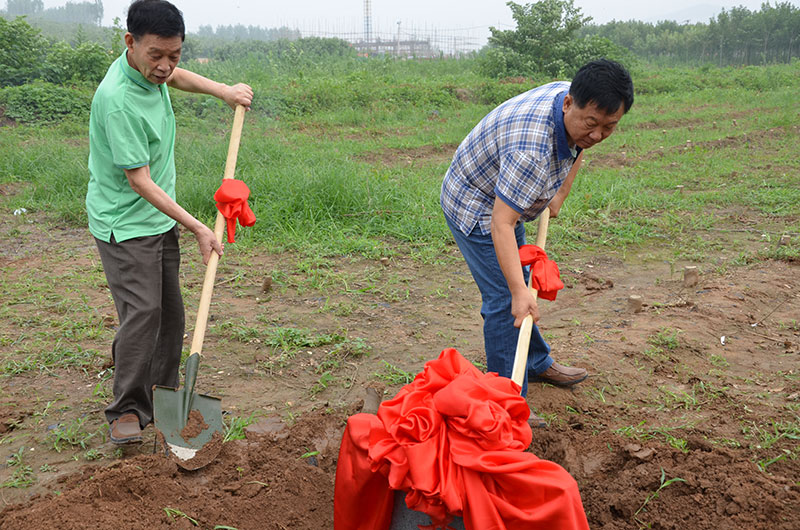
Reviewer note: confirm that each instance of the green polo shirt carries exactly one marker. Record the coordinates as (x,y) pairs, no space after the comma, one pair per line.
(131,125)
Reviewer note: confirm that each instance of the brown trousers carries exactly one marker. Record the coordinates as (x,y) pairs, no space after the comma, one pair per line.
(142,274)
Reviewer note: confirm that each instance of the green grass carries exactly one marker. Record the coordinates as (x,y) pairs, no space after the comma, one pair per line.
(663,484)
(175,514)
(284,344)
(47,357)
(236,425)
(72,434)
(393,375)
(22,477)
(348,158)
(666,434)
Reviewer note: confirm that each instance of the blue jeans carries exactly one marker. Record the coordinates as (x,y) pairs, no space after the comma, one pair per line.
(499,334)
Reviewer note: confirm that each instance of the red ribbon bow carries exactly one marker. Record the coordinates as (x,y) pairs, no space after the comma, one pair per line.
(231,200)
(546,276)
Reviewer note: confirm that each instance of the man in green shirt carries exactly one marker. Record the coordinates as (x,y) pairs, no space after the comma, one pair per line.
(132,210)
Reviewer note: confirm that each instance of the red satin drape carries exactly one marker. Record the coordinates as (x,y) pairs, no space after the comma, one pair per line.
(545,273)
(231,200)
(454,440)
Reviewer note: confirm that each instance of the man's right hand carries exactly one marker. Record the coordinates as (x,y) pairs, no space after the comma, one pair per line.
(140,181)
(522,305)
(207,242)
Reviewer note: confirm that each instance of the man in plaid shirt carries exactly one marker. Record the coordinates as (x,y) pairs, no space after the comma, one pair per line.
(521,158)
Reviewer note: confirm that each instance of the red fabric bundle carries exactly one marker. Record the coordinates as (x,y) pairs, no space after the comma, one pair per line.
(231,200)
(454,440)
(544,271)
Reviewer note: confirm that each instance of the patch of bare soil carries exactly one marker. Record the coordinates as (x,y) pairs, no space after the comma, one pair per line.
(391,156)
(690,417)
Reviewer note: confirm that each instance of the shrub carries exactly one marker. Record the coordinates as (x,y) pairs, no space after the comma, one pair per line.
(545,41)
(88,62)
(290,53)
(23,51)
(43,102)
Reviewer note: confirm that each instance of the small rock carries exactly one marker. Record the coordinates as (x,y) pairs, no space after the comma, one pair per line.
(644,454)
(690,276)
(634,303)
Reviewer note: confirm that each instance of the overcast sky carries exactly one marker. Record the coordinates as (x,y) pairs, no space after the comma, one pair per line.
(470,18)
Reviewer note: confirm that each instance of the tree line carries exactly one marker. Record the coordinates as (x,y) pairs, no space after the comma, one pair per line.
(85,12)
(551,37)
(735,37)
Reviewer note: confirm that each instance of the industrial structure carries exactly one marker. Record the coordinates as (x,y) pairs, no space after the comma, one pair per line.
(410,44)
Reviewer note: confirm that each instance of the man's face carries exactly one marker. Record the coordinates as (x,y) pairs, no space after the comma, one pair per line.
(589,125)
(155,57)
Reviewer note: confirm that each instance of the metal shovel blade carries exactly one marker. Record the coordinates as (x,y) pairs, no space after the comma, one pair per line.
(189,424)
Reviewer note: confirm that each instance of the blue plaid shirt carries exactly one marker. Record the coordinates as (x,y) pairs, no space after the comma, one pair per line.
(518,152)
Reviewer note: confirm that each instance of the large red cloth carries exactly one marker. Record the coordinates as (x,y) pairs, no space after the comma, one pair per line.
(454,440)
(231,200)
(546,278)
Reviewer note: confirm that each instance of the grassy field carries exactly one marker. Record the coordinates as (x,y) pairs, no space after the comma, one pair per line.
(314,150)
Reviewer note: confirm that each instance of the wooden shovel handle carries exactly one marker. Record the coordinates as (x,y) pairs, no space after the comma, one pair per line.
(525,330)
(219,228)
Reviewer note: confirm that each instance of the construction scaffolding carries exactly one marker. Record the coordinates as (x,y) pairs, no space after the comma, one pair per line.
(404,40)
(406,44)
(367,20)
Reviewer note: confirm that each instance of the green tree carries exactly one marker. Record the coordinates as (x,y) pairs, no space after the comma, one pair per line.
(16,8)
(88,61)
(23,52)
(734,37)
(117,38)
(76,13)
(545,41)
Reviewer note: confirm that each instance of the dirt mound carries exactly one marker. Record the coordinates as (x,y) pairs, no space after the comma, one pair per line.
(282,477)
(277,478)
(714,488)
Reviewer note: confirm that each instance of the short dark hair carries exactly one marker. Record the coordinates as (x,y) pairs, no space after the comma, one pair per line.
(605,83)
(156,17)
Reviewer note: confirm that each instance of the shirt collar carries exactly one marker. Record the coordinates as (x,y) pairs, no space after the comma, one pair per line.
(562,145)
(134,75)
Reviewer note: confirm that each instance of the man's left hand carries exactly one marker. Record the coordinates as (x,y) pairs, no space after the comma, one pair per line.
(239,94)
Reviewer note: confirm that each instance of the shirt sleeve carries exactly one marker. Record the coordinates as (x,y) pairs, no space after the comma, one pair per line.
(128,140)
(522,180)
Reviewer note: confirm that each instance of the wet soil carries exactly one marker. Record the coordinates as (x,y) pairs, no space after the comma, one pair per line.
(690,417)
(194,425)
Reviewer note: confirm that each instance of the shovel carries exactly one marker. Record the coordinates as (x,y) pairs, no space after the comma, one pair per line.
(525,330)
(190,424)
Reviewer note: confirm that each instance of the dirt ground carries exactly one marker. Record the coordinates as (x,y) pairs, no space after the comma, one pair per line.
(701,385)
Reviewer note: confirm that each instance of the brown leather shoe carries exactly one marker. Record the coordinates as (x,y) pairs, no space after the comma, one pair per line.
(125,429)
(560,375)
